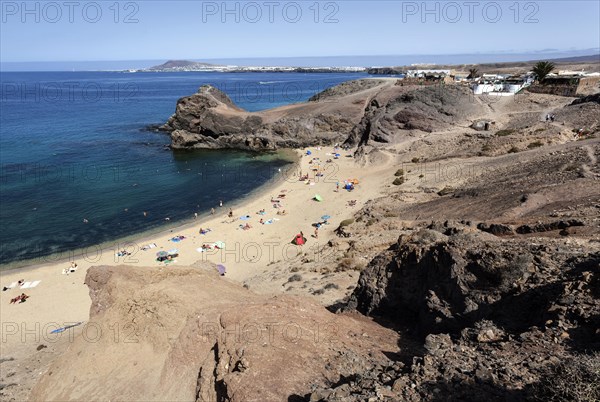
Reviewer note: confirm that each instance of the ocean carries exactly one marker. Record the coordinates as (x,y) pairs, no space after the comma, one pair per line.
(78,166)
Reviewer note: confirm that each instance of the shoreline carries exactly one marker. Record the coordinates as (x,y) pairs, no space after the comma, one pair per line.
(144,236)
(249,256)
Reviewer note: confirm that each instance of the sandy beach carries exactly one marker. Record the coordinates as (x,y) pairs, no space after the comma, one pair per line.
(60,299)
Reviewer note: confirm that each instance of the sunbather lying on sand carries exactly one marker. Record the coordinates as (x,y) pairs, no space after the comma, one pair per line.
(19,299)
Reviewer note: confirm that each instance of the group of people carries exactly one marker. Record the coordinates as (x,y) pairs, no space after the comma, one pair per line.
(19,283)
(73,267)
(19,299)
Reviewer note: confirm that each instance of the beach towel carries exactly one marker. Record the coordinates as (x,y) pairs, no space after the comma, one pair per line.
(34,284)
(26,285)
(219,244)
(245,217)
(221,268)
(149,246)
(59,330)
(270,221)
(12,285)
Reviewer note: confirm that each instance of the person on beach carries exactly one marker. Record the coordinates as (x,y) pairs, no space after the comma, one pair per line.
(317,232)
(195,215)
(220,203)
(212,211)
(230,214)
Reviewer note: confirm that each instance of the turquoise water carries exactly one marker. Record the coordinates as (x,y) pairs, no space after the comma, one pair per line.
(73,147)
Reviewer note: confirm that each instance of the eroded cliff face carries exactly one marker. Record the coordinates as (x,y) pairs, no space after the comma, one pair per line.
(357,112)
(189,334)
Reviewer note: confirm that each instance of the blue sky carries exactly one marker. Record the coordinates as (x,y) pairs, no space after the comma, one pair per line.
(157,30)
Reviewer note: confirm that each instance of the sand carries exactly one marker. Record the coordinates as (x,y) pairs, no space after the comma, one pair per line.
(61,299)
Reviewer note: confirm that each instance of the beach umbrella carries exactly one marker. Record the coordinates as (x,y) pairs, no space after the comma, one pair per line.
(318,198)
(162,254)
(221,268)
(325,217)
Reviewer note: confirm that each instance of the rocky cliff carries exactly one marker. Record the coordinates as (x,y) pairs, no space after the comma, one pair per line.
(363,111)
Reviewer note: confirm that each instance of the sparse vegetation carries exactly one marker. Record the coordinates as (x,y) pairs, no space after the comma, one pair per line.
(504,133)
(575,379)
(473,73)
(513,150)
(539,130)
(535,144)
(399,172)
(295,278)
(346,222)
(445,191)
(398,181)
(571,167)
(415,160)
(331,286)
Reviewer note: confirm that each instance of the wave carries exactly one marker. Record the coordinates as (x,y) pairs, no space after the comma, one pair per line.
(269,82)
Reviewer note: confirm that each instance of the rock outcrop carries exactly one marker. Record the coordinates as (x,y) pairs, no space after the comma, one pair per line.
(188,334)
(496,319)
(364,111)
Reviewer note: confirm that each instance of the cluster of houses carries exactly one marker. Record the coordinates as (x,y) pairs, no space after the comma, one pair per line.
(566,83)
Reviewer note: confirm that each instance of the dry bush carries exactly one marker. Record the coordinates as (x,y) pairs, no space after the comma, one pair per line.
(576,379)
(398,181)
(346,222)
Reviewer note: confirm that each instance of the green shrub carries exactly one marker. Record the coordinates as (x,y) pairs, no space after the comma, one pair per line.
(346,222)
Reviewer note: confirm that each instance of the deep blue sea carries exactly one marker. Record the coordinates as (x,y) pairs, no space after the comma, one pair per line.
(73,146)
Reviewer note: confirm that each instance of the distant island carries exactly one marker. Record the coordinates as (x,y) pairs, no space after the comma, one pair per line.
(193,66)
